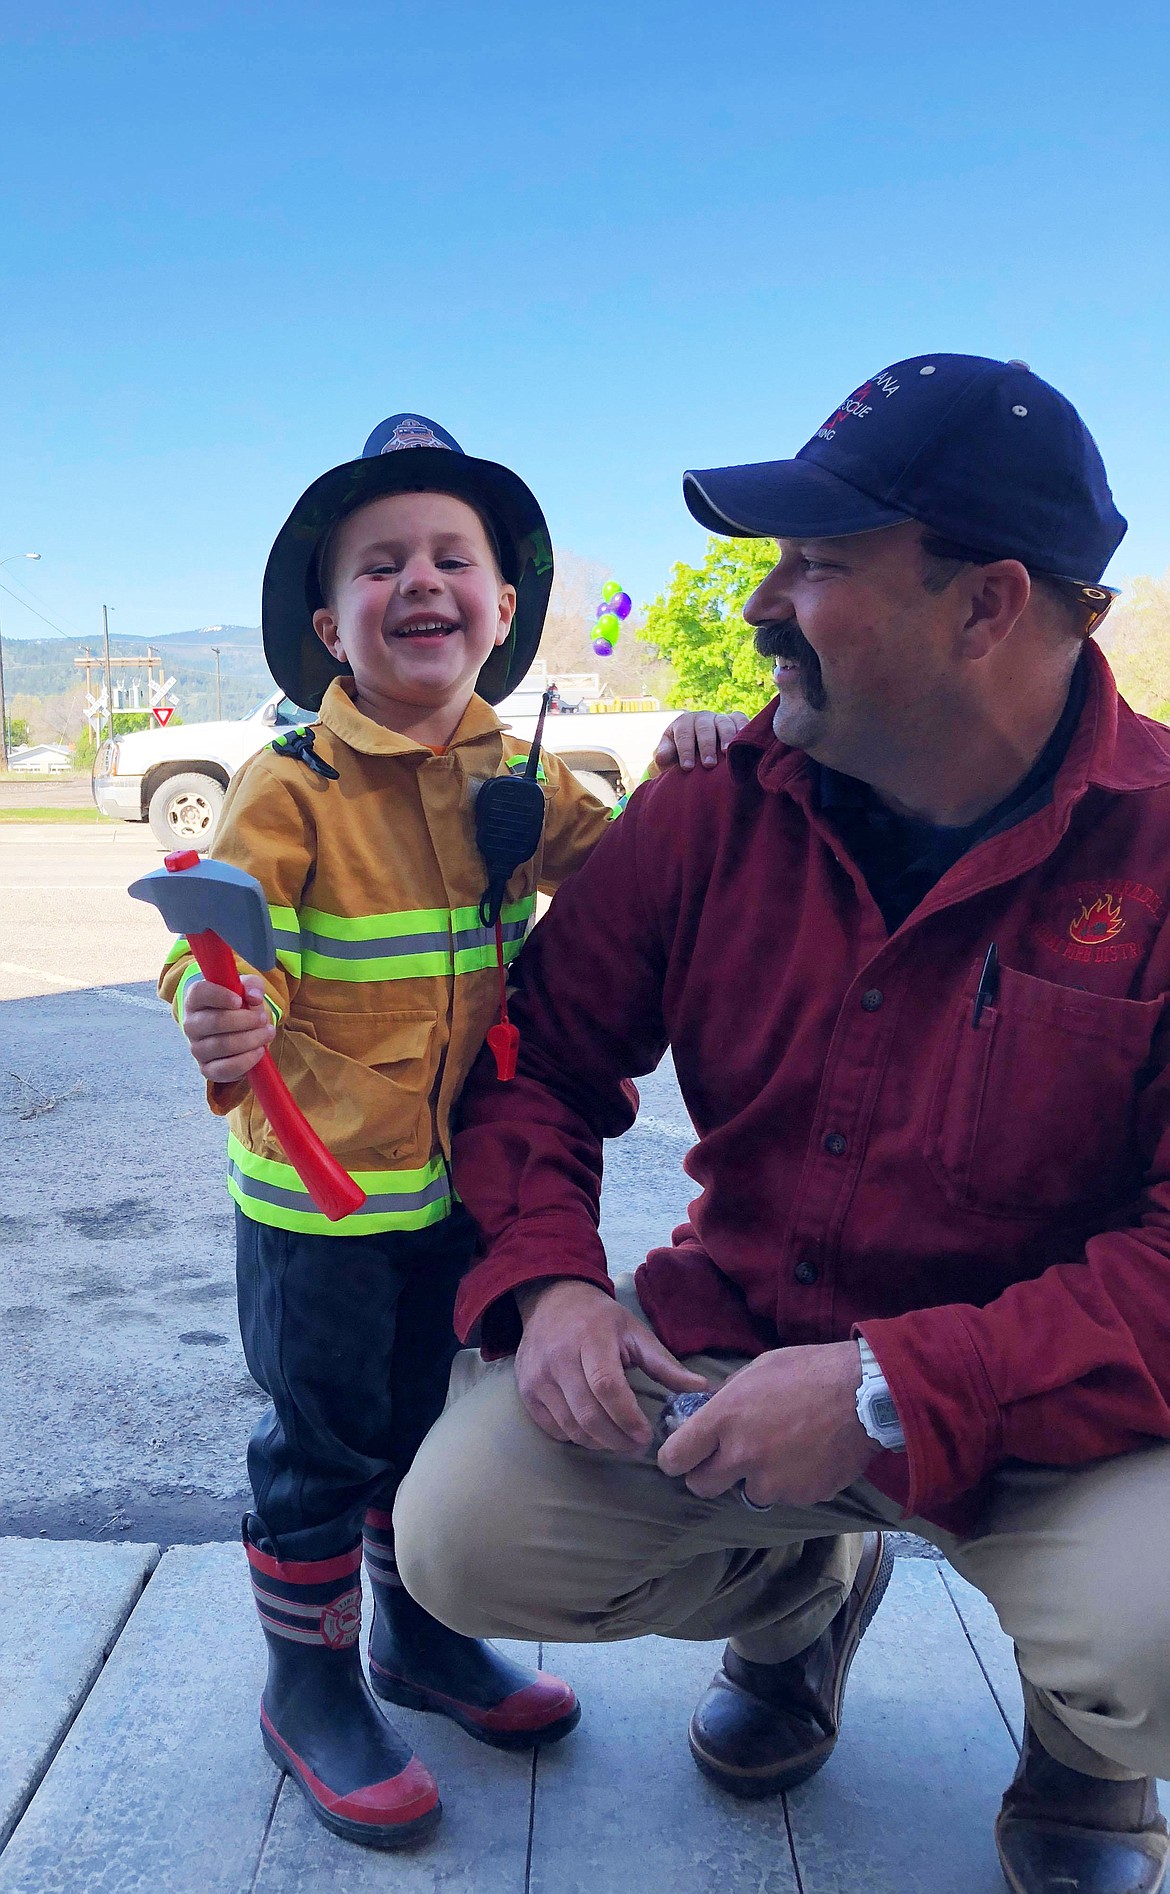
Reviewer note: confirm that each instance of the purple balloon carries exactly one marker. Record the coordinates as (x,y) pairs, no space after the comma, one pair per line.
(603,647)
(602,609)
(620,605)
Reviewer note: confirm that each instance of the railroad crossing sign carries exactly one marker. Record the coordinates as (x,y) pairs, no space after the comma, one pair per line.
(162,713)
(97,704)
(95,712)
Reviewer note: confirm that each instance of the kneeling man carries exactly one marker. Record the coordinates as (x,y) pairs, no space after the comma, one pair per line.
(910,949)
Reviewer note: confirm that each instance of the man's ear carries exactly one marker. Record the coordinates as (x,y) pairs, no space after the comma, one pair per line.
(325,626)
(507,613)
(997,597)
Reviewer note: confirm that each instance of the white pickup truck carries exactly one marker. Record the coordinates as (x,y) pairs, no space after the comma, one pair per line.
(174,778)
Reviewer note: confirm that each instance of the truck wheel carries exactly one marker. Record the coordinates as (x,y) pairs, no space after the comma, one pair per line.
(604,788)
(184,811)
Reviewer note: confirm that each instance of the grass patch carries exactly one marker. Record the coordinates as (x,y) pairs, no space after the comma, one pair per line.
(55,815)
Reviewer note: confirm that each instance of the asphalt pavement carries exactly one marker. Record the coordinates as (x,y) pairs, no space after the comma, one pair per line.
(125,1402)
(26,790)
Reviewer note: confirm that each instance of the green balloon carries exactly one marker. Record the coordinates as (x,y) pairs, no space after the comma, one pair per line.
(610,589)
(607,626)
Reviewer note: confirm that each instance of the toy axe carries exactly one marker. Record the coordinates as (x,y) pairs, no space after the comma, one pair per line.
(221,909)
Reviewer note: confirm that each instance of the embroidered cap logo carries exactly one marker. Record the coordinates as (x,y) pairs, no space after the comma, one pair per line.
(859,403)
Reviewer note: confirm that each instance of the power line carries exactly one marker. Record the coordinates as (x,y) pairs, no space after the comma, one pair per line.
(52,624)
(17,580)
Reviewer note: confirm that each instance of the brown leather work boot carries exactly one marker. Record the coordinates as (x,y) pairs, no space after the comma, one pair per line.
(1060,1829)
(762,1728)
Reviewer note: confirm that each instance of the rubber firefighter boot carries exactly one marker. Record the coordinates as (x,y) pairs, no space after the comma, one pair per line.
(319,1723)
(417,1662)
(1061,1829)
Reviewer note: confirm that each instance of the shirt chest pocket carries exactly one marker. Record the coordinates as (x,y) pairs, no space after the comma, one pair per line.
(1033,1109)
(364,1080)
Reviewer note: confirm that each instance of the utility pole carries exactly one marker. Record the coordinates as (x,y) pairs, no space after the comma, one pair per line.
(109,680)
(3,713)
(218,699)
(3,708)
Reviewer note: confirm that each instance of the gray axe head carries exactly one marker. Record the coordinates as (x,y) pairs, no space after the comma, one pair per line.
(212,896)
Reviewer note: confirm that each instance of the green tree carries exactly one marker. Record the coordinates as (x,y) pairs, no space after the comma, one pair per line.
(125,721)
(17,731)
(698,627)
(1136,639)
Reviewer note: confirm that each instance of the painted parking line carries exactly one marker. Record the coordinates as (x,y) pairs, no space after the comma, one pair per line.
(75,986)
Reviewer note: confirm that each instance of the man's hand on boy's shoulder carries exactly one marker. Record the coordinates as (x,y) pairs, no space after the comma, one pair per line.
(698,736)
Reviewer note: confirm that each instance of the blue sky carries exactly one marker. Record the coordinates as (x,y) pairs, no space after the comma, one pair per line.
(599,242)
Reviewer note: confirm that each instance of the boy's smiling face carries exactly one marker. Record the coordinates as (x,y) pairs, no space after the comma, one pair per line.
(416,605)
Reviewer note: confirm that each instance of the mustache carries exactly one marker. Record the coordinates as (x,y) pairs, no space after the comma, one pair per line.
(783,638)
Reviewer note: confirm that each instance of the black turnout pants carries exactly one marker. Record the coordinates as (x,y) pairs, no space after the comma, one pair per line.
(351,1338)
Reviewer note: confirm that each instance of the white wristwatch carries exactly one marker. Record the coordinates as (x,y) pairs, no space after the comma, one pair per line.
(875,1403)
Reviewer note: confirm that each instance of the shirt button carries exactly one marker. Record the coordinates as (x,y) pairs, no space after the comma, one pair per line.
(836,1144)
(872,998)
(806,1272)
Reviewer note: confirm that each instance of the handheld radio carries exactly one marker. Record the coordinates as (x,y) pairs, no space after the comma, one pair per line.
(509,817)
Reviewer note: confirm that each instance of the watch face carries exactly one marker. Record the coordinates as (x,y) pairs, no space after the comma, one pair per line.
(879,1417)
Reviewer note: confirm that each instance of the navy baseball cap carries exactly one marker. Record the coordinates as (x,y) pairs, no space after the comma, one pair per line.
(983,453)
(405,454)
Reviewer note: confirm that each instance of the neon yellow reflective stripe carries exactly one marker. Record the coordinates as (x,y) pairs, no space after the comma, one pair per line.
(415,943)
(191,975)
(374,927)
(271,1192)
(286,936)
(462,919)
(518,764)
(475,944)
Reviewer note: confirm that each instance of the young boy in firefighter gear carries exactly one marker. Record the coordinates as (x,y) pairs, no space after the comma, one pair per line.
(405,594)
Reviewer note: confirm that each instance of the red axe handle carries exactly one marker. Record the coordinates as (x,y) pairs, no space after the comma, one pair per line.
(331,1188)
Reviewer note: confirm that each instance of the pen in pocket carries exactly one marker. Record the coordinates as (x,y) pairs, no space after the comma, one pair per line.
(987,991)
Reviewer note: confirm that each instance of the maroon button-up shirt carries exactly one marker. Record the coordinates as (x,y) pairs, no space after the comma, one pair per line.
(986,1199)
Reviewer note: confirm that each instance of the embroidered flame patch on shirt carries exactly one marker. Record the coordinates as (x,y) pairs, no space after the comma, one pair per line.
(1092,916)
(1100,922)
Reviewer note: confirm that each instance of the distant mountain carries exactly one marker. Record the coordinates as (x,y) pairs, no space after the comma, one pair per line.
(233,638)
(44,668)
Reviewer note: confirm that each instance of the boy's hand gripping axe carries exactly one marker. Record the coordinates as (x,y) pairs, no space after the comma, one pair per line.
(220,908)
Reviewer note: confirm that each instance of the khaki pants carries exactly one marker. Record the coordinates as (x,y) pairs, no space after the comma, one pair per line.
(502,1532)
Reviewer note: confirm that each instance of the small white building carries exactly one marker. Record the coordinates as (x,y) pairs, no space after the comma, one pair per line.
(40,759)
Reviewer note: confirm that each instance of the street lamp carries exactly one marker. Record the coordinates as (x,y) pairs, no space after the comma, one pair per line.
(3,712)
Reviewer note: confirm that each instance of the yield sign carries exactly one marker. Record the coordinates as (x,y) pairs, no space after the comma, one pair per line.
(163,713)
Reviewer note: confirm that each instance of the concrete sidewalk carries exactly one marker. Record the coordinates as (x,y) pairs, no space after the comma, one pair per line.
(145,1772)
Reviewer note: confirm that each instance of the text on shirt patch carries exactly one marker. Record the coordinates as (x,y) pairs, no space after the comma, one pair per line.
(1093,916)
